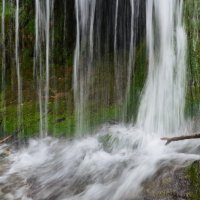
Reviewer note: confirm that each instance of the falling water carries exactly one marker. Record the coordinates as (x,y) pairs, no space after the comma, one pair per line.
(94,45)
(83,61)
(114,163)
(115,36)
(3,91)
(19,81)
(162,105)
(47,33)
(42,35)
(122,42)
(131,60)
(37,60)
(115,45)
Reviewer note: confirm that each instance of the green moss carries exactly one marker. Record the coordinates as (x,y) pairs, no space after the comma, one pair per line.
(61,73)
(9,9)
(61,122)
(193,173)
(192,24)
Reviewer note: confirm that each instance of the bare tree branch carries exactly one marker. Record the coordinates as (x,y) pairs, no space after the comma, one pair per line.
(6,139)
(188,137)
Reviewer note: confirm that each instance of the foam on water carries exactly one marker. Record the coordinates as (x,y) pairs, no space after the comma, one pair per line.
(112,165)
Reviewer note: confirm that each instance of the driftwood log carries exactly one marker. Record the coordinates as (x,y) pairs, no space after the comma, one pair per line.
(188,137)
(6,139)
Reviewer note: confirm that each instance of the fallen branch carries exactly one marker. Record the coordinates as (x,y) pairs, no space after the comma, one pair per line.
(188,137)
(6,139)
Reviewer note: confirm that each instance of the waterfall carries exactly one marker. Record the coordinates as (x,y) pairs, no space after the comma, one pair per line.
(103,44)
(115,35)
(131,59)
(124,51)
(115,46)
(3,76)
(47,34)
(43,13)
(104,63)
(118,161)
(83,60)
(18,70)
(162,105)
(38,59)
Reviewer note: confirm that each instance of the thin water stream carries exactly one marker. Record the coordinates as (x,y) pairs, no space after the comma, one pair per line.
(18,71)
(85,13)
(43,13)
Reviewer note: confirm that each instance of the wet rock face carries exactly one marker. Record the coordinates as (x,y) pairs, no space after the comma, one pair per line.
(171,185)
(193,172)
(174,183)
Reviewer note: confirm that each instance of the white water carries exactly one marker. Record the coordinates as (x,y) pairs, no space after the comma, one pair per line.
(113,164)
(162,105)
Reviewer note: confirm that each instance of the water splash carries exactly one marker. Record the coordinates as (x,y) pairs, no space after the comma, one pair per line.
(111,165)
(162,105)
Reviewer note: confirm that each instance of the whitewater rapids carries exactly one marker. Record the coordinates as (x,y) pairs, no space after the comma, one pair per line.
(111,165)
